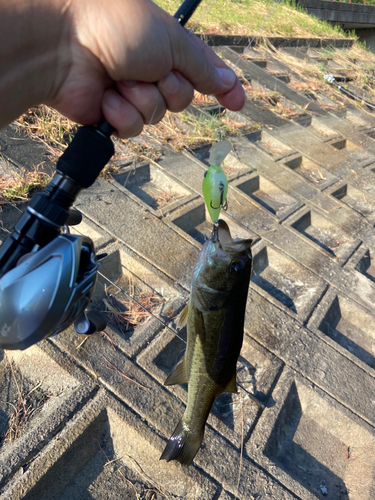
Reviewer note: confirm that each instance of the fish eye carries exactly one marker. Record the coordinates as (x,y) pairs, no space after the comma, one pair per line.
(235,267)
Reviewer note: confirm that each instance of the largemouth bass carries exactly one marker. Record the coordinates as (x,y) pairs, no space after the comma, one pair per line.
(215,322)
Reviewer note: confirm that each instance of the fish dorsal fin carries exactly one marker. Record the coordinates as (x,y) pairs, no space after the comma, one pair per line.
(232,385)
(182,317)
(178,375)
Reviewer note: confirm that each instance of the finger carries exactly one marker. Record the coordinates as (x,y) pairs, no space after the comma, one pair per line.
(234,99)
(146,98)
(202,67)
(121,114)
(176,91)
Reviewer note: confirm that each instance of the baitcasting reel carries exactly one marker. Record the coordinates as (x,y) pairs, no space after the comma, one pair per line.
(48,276)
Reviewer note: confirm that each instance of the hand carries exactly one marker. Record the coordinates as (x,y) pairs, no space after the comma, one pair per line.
(118,49)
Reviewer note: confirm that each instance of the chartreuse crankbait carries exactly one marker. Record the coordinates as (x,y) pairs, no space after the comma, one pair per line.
(215,182)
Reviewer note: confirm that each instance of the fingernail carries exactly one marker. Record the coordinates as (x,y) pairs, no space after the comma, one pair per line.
(112,100)
(169,83)
(227,76)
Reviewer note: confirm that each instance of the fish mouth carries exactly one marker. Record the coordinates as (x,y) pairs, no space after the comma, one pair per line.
(221,233)
(222,238)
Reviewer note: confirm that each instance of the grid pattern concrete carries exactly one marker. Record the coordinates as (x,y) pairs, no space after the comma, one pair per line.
(98,412)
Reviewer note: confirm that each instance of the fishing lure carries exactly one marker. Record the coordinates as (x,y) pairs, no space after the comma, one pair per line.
(215,182)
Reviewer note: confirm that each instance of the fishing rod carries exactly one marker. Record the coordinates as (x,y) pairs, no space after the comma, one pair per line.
(336,80)
(48,276)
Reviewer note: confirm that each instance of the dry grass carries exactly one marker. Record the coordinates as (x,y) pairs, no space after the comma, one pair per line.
(27,403)
(308,75)
(18,185)
(50,127)
(129,312)
(176,131)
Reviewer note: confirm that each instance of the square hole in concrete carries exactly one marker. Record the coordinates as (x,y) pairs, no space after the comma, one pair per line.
(268,143)
(311,171)
(286,280)
(197,223)
(151,185)
(37,396)
(352,327)
(270,196)
(327,235)
(321,447)
(352,150)
(366,265)
(124,315)
(360,201)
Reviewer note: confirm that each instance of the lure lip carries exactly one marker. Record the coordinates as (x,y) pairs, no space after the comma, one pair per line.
(221,233)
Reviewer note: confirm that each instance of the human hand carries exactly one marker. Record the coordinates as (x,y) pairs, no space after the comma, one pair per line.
(118,49)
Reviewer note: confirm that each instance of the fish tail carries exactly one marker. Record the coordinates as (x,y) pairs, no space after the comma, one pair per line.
(183,445)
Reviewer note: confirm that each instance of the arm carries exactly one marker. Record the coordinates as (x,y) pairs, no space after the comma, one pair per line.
(70,54)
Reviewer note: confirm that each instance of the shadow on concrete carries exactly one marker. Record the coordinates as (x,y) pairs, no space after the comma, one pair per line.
(274,291)
(293,457)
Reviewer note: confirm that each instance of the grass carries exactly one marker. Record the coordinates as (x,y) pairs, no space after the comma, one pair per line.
(53,129)
(16,185)
(185,130)
(245,17)
(308,77)
(28,401)
(126,314)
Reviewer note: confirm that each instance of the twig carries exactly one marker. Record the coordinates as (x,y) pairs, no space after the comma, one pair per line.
(118,470)
(113,368)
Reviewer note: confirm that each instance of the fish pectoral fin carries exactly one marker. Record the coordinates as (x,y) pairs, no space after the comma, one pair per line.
(178,375)
(182,318)
(232,385)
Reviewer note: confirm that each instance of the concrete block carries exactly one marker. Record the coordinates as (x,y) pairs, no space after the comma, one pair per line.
(347,324)
(315,360)
(323,234)
(37,397)
(194,222)
(285,282)
(17,147)
(313,445)
(98,235)
(109,207)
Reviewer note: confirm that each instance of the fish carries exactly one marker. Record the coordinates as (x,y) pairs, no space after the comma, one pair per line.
(215,316)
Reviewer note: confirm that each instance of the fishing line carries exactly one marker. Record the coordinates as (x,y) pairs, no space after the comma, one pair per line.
(10,203)
(199,19)
(251,396)
(120,290)
(259,29)
(140,305)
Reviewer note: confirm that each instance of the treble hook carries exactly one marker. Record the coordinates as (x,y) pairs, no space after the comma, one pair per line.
(222,205)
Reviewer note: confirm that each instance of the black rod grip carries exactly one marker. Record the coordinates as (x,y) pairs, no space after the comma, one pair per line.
(86,156)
